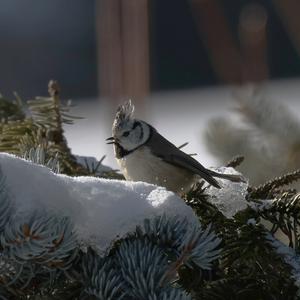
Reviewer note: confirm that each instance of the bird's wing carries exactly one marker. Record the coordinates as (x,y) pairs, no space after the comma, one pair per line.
(169,153)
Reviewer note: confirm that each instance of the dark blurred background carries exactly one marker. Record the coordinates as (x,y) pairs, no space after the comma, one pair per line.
(41,40)
(179,60)
(128,48)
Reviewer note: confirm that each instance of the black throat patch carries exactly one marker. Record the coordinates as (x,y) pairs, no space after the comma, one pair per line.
(120,151)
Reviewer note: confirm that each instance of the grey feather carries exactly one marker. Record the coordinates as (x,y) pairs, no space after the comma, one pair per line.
(231,177)
(169,153)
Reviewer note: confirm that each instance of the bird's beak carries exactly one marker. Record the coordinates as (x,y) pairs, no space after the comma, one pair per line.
(111,140)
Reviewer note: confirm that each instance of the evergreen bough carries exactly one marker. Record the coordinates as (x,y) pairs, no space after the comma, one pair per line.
(166,258)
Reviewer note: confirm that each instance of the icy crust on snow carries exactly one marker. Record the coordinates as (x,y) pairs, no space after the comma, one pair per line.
(262,205)
(101,209)
(230,198)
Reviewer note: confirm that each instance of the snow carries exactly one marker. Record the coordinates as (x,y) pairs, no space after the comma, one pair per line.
(251,221)
(262,205)
(231,198)
(101,209)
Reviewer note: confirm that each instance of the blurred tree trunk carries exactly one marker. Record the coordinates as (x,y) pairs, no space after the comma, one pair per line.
(253,41)
(234,61)
(123,49)
(288,11)
(214,30)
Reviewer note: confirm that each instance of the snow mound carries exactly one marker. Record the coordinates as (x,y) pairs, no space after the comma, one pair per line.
(230,199)
(101,209)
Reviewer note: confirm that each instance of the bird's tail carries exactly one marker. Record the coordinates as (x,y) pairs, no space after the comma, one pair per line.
(231,177)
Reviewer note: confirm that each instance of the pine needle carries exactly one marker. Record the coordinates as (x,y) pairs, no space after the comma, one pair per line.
(263,191)
(235,161)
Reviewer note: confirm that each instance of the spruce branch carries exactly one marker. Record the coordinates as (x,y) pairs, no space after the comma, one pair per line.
(192,243)
(143,266)
(284,214)
(235,161)
(138,269)
(249,258)
(290,257)
(43,127)
(237,288)
(101,277)
(48,115)
(175,294)
(10,110)
(39,124)
(206,211)
(248,239)
(266,190)
(48,241)
(38,156)
(166,232)
(200,247)
(152,259)
(12,133)
(165,258)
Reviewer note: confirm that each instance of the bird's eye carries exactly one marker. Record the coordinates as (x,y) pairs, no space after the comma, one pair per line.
(126,133)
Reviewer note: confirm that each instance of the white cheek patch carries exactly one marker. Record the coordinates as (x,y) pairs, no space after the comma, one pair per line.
(139,134)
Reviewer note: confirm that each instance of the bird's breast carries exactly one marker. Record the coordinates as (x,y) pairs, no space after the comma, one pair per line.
(142,165)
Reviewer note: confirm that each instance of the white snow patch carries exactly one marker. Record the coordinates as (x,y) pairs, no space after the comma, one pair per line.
(262,204)
(101,209)
(251,221)
(230,199)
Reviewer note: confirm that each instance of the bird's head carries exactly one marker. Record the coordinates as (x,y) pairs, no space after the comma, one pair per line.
(127,132)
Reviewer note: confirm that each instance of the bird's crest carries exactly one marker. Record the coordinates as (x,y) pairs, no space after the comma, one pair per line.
(124,114)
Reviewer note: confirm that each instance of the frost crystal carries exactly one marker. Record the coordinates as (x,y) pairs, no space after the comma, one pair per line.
(230,199)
